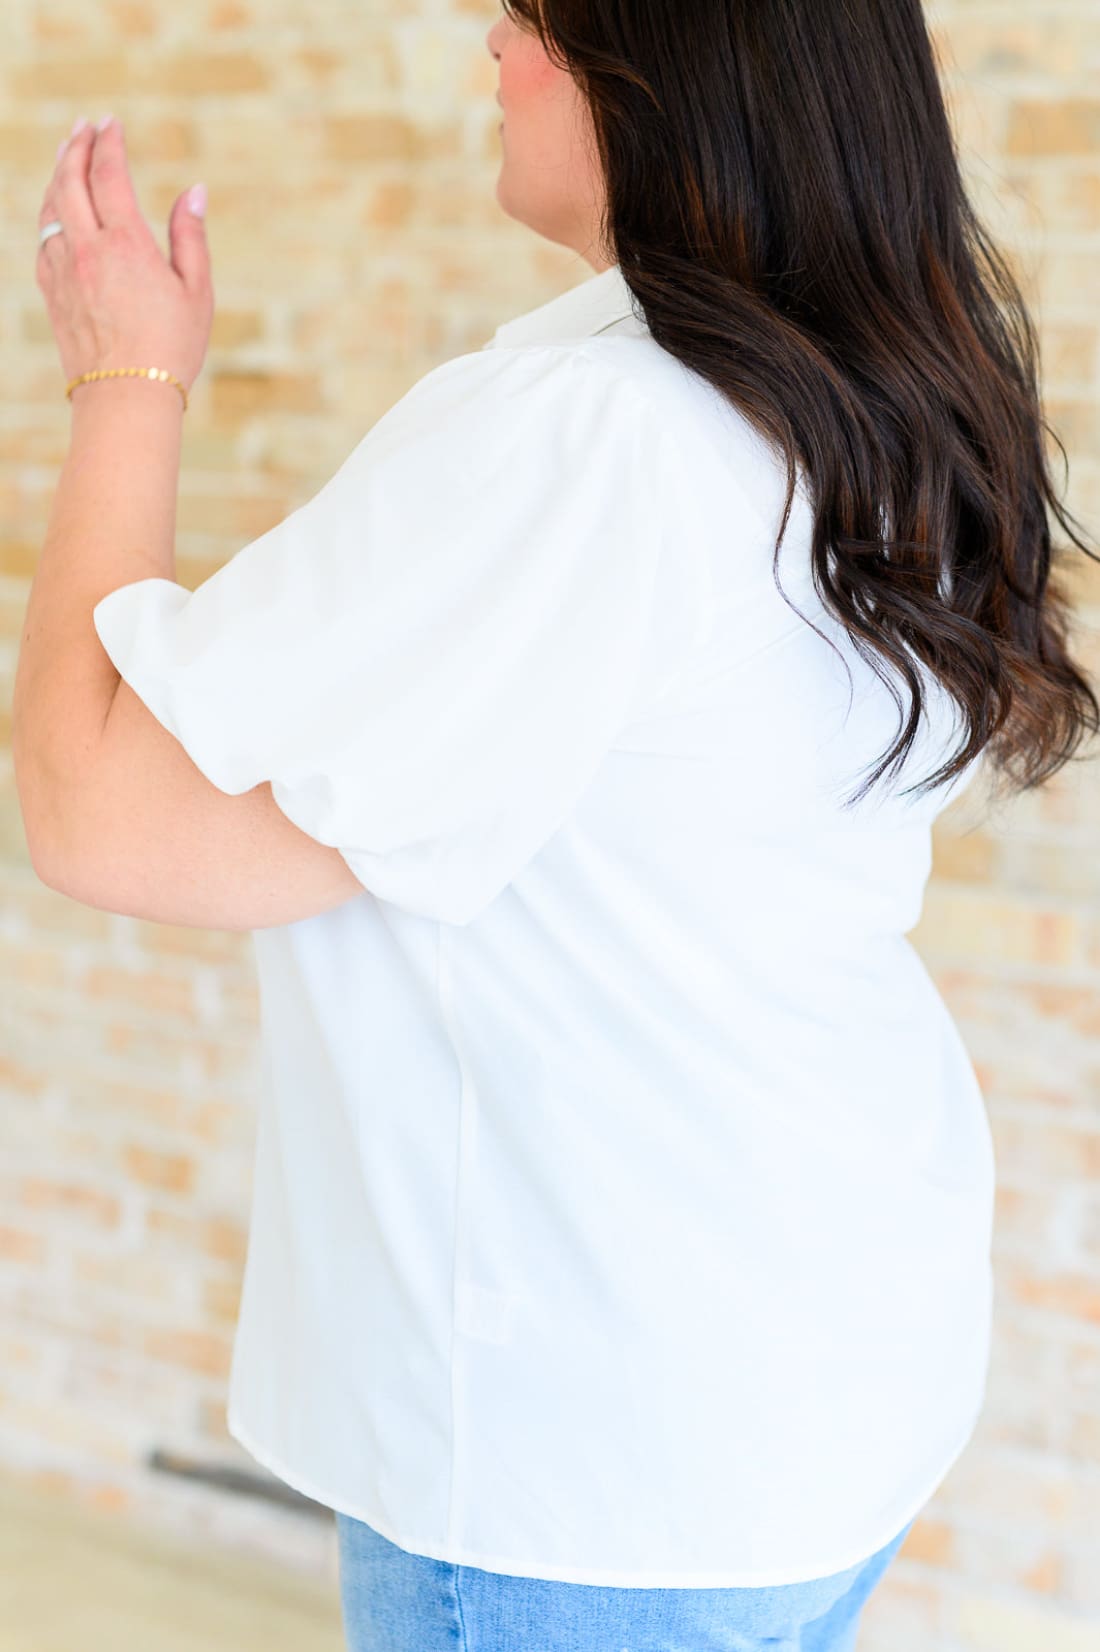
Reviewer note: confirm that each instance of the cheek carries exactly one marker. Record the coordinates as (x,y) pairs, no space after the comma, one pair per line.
(530,82)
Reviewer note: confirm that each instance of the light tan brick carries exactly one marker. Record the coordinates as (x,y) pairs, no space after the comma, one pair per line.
(373,137)
(236,327)
(221,1299)
(931,1542)
(1084,1438)
(142,1278)
(19,1245)
(92,75)
(71,1200)
(962,925)
(171,1172)
(965,858)
(1047,1147)
(199,1351)
(223,1238)
(1076,1295)
(224,16)
(211,946)
(199,74)
(984,1623)
(1068,126)
(238,395)
(1024,1217)
(146,989)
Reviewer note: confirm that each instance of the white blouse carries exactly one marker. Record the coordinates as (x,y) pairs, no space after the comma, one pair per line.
(623,1189)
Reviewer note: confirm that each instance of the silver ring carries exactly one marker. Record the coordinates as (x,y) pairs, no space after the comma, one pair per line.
(50,229)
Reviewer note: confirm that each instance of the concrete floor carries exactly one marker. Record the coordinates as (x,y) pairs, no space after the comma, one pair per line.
(70,1579)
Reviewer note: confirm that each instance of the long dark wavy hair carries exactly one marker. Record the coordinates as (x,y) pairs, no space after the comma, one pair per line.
(785,203)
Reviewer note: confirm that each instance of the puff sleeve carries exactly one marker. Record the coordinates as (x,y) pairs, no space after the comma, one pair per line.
(428,660)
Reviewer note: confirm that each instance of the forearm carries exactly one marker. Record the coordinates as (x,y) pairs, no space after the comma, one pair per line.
(112,521)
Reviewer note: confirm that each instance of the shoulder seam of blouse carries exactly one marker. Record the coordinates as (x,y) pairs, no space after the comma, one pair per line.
(668,439)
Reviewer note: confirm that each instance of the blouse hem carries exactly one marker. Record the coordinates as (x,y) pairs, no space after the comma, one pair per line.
(457,1554)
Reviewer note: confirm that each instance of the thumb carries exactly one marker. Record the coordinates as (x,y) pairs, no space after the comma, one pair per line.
(187,234)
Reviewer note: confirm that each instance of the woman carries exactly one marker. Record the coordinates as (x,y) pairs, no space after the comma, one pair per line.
(619,1268)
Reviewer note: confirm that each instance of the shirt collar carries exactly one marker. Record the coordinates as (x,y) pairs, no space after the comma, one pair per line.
(584,310)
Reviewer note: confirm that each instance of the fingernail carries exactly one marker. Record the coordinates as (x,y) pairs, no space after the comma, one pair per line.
(79,126)
(61,148)
(196,200)
(102,125)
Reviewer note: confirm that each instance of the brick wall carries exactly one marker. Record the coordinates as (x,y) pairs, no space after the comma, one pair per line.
(1006,1556)
(351,154)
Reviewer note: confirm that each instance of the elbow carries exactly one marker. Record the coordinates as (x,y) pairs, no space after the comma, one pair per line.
(39,809)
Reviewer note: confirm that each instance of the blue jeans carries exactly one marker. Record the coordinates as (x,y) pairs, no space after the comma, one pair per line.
(394,1601)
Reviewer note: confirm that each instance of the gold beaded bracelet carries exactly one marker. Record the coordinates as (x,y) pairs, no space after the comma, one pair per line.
(129,372)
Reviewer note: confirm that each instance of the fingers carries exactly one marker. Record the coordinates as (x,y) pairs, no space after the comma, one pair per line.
(68,197)
(112,193)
